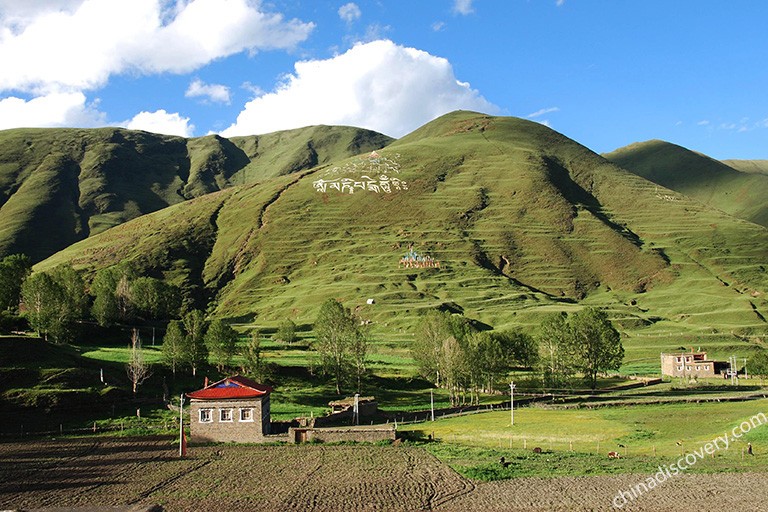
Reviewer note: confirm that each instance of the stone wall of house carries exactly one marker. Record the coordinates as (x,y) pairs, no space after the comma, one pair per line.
(337,435)
(238,429)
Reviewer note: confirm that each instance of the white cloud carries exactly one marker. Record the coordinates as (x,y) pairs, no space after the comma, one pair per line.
(379,85)
(161,121)
(350,12)
(543,111)
(703,122)
(53,110)
(463,7)
(212,92)
(71,45)
(438,26)
(560,3)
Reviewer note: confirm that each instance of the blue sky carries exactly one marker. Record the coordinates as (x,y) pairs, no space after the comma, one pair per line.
(605,73)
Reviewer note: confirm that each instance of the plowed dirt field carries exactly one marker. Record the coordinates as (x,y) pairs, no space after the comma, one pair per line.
(118,472)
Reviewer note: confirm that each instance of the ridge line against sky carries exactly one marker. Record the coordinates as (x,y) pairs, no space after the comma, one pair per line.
(606,74)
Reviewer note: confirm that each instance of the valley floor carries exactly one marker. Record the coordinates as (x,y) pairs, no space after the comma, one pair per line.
(141,471)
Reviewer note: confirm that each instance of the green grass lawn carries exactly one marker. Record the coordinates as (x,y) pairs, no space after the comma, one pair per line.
(643,429)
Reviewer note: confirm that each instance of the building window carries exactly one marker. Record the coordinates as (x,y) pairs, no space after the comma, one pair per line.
(225,415)
(679,359)
(698,367)
(706,367)
(206,416)
(687,368)
(679,368)
(246,414)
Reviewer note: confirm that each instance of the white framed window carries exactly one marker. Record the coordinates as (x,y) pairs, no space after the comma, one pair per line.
(206,416)
(246,414)
(698,367)
(679,359)
(679,368)
(225,415)
(688,368)
(706,367)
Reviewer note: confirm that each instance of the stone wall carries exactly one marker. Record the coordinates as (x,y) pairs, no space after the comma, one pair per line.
(342,434)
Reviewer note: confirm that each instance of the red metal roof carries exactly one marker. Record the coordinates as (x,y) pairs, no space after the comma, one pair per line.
(231,387)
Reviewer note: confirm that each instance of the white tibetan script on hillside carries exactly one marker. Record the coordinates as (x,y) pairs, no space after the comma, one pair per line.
(373,164)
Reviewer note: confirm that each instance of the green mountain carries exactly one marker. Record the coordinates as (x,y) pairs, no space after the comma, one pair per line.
(735,187)
(501,218)
(58,186)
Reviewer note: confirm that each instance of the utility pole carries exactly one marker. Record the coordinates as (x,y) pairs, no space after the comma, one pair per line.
(432,403)
(512,403)
(181,425)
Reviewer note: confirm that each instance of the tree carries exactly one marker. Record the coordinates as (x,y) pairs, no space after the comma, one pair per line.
(426,349)
(253,364)
(556,354)
(446,353)
(105,309)
(758,364)
(54,301)
(585,342)
(14,269)
(137,369)
(154,299)
(111,289)
(40,296)
(195,352)
(286,331)
(358,350)
(339,342)
(173,345)
(597,342)
(221,341)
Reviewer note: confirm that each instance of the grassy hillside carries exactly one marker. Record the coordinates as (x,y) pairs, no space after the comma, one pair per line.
(91,180)
(739,189)
(522,220)
(749,166)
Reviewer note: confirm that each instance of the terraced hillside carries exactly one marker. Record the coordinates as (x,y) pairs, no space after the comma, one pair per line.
(58,186)
(736,187)
(521,219)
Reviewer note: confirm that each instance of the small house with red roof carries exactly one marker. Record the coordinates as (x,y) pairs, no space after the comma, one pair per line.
(235,409)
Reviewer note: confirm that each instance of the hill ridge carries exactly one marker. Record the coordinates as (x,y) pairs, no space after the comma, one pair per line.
(93,179)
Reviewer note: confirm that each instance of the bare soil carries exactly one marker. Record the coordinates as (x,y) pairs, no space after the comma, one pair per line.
(100,472)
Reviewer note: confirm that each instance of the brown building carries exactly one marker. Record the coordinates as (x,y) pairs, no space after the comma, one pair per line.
(235,409)
(690,364)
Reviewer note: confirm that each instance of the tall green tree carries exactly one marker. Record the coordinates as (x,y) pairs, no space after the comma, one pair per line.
(598,344)
(757,364)
(447,353)
(111,289)
(340,343)
(173,345)
(221,341)
(153,299)
(557,355)
(253,363)
(54,301)
(286,331)
(195,351)
(585,342)
(41,296)
(14,269)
